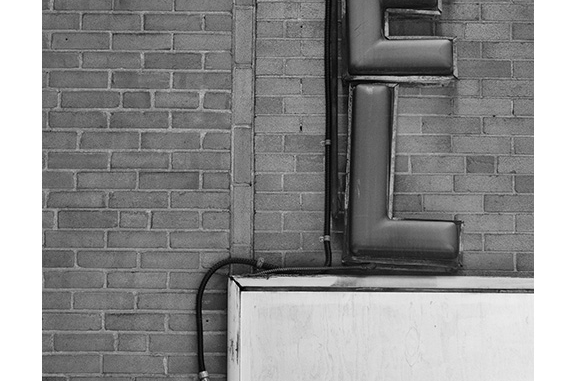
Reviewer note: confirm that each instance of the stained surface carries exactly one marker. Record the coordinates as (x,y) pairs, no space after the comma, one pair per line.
(371,233)
(336,336)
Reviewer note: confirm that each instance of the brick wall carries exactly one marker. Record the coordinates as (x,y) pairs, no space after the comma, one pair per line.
(148,159)
(464,150)
(136,167)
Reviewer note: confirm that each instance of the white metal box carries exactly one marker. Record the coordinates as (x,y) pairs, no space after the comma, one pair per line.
(395,328)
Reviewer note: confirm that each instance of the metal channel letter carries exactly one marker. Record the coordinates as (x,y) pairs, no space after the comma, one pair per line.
(371,52)
(372,234)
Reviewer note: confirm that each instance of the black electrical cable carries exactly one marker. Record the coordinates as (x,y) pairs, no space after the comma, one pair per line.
(331,91)
(199,299)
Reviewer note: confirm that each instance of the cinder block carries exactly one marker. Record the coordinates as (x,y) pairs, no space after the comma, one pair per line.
(500,88)
(284,10)
(425,183)
(509,242)
(482,144)
(277,201)
(509,203)
(437,164)
(483,184)
(508,126)
(508,50)
(513,12)
(484,68)
(203,5)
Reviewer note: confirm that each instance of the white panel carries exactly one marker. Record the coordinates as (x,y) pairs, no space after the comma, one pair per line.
(396,336)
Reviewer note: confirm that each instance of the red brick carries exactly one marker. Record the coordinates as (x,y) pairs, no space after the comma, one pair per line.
(170,260)
(201,160)
(277,201)
(523,69)
(106,180)
(190,281)
(77,119)
(139,200)
(111,60)
(484,69)
(507,11)
(175,61)
(508,242)
(72,321)
(200,81)
(169,180)
(56,300)
(90,99)
(218,61)
(199,240)
(215,220)
(107,259)
(173,22)
(508,203)
(137,280)
(267,221)
(60,60)
(424,183)
(133,364)
(68,160)
(166,301)
(482,144)
(76,200)
(91,5)
(277,241)
(524,222)
(186,100)
(524,184)
(143,5)
(136,99)
(83,342)
(130,239)
(57,258)
(407,203)
(112,21)
(60,21)
(437,164)
(73,279)
(132,343)
(57,180)
(202,41)
(200,200)
(424,144)
(525,262)
(202,120)
(215,321)
(483,184)
(104,300)
(139,120)
(71,238)
(175,220)
(80,41)
(133,219)
(140,160)
(522,31)
(480,164)
(87,219)
(278,11)
(218,22)
(109,140)
(277,48)
(455,203)
(450,125)
(141,41)
(515,164)
(76,363)
(59,140)
(217,101)
(303,67)
(172,140)
(203,5)
(492,261)
(137,80)
(134,322)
